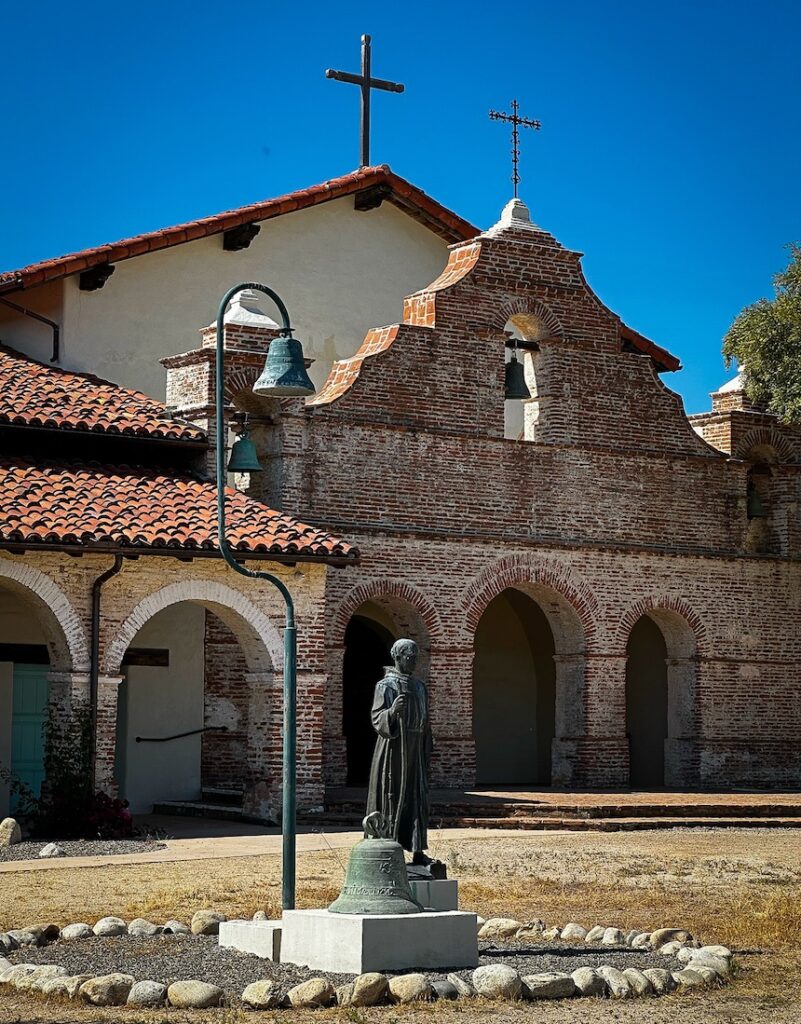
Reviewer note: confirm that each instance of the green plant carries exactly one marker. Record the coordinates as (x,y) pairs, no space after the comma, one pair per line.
(67,808)
(765,339)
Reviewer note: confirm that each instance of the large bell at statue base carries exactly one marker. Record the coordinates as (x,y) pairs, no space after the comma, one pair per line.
(376,882)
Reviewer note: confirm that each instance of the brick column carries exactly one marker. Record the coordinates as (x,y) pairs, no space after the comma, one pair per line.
(335,755)
(599,756)
(681,745)
(262,796)
(106,736)
(450,690)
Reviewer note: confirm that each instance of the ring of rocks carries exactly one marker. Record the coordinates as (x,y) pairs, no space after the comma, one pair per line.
(692,966)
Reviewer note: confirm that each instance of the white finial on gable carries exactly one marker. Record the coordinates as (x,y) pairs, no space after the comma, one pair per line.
(244,310)
(515,216)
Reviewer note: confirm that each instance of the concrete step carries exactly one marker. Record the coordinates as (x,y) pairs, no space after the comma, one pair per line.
(200,809)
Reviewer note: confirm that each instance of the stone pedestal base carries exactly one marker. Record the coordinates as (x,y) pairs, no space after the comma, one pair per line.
(436,894)
(262,938)
(358,943)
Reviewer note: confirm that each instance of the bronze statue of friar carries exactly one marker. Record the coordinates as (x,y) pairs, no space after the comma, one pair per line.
(399,772)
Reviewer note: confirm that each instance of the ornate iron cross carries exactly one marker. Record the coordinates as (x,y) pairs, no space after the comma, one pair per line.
(516,122)
(365,83)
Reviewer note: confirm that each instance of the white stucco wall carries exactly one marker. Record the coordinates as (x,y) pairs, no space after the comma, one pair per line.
(160,702)
(340,272)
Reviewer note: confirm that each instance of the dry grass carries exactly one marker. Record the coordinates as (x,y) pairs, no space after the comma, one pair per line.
(740,888)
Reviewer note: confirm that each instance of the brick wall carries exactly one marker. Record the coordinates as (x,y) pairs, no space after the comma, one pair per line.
(615,505)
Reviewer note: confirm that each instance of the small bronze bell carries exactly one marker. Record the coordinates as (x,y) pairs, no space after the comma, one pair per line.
(515,383)
(756,510)
(243,455)
(376,882)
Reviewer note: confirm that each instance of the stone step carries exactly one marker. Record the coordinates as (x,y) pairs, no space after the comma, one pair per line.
(548,823)
(583,812)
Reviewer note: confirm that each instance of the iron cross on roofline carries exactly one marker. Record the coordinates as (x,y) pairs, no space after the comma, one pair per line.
(516,121)
(365,83)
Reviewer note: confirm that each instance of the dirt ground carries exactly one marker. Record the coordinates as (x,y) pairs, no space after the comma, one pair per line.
(739,887)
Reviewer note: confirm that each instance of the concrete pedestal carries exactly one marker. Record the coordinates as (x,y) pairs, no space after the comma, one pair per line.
(436,893)
(263,938)
(357,943)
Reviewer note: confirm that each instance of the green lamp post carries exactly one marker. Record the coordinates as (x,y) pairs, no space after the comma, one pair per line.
(284,375)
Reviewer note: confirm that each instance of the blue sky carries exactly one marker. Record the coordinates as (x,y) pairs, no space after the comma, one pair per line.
(670,152)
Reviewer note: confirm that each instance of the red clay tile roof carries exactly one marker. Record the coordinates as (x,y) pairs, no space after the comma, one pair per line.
(402,194)
(664,359)
(88,504)
(33,394)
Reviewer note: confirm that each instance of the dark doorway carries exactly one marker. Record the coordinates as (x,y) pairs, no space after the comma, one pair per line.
(646,704)
(514,693)
(367,646)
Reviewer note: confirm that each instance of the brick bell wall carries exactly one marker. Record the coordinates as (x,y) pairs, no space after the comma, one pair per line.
(616,506)
(613,506)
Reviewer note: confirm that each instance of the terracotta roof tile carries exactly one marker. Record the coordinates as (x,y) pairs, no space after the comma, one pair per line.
(402,194)
(33,394)
(89,504)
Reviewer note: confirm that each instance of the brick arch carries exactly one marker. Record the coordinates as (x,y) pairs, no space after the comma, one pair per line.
(766,437)
(681,625)
(383,589)
(66,636)
(544,581)
(258,637)
(524,306)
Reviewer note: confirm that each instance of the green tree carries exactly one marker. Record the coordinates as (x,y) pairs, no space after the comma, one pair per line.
(765,339)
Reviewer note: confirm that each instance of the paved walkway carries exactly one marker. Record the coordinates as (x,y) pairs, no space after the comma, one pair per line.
(203,839)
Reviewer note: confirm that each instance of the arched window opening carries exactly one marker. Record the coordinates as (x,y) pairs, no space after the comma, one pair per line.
(761,535)
(522,406)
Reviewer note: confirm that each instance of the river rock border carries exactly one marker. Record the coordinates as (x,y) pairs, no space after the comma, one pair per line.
(699,967)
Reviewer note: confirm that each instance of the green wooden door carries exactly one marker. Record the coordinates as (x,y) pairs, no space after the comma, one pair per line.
(29,711)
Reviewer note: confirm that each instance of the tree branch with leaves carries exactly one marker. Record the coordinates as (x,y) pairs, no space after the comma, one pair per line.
(765,339)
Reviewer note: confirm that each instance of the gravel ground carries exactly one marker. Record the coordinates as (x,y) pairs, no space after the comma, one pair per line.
(29,850)
(168,958)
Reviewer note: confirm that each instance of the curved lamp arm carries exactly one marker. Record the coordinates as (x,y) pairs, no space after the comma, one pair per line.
(289,813)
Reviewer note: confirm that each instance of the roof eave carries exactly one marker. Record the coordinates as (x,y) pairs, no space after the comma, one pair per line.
(182,554)
(403,195)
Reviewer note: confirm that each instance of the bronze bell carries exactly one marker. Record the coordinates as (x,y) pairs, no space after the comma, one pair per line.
(756,510)
(377,881)
(515,382)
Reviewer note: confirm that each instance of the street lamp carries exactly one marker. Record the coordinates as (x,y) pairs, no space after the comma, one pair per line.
(284,375)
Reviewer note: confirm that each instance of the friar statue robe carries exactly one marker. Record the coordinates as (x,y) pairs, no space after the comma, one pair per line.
(392,780)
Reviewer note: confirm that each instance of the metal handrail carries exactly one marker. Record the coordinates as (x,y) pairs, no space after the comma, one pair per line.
(180,735)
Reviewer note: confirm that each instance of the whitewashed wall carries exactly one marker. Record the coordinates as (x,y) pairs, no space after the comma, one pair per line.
(161,702)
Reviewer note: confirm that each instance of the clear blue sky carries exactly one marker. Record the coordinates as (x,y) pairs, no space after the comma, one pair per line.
(670,151)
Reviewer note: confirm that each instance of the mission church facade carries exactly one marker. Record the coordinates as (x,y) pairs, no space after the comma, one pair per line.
(606,593)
